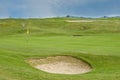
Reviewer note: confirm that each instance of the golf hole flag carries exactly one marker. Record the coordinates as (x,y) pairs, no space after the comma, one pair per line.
(28,31)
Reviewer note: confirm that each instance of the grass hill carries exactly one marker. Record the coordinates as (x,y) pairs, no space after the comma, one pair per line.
(96,41)
(58,26)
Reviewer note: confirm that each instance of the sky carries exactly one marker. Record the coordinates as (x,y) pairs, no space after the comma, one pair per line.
(58,8)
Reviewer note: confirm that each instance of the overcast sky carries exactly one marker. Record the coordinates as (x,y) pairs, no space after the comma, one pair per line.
(53,8)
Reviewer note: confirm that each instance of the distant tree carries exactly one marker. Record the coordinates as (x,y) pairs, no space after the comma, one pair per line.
(67,15)
(82,17)
(10,17)
(105,17)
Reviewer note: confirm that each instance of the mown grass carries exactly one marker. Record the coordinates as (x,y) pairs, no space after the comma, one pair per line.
(98,44)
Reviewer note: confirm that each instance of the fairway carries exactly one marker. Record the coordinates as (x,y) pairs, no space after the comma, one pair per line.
(97,42)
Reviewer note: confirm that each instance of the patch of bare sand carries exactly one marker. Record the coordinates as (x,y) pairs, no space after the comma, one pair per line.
(80,20)
(61,65)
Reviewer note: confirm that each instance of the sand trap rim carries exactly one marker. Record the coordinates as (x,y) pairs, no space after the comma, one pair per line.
(62,64)
(59,55)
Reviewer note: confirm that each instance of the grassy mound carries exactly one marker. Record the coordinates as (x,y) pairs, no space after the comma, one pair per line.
(98,44)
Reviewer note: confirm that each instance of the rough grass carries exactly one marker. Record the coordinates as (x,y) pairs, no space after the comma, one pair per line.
(98,44)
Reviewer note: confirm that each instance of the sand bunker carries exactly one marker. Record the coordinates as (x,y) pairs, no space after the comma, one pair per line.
(80,20)
(61,65)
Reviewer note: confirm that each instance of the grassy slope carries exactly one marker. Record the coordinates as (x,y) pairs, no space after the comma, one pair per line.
(99,45)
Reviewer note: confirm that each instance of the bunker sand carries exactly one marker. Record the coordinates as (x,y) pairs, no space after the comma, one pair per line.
(77,21)
(61,65)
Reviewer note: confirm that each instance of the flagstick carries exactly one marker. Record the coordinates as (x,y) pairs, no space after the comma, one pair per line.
(27,34)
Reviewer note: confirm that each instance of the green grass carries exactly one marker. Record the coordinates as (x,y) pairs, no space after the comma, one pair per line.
(99,44)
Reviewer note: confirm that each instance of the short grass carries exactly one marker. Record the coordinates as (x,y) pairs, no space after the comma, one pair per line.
(97,42)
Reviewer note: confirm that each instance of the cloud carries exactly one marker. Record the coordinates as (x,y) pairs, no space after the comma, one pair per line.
(48,8)
(39,8)
(45,8)
(3,11)
(76,2)
(9,8)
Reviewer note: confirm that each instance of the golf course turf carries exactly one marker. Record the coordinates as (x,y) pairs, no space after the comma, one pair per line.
(98,44)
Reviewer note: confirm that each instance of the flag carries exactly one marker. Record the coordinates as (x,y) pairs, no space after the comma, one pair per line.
(28,31)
